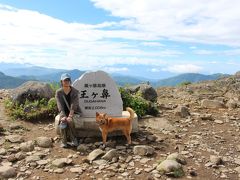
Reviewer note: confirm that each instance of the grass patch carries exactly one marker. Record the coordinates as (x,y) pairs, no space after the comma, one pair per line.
(177,173)
(161,160)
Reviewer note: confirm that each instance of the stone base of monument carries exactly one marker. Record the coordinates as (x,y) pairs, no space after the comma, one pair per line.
(87,126)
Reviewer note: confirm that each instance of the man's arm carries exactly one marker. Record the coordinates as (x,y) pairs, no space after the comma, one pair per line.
(59,104)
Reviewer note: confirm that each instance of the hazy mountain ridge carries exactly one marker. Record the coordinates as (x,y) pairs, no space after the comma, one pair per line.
(187,77)
(30,71)
(27,72)
(126,80)
(7,82)
(55,77)
(12,82)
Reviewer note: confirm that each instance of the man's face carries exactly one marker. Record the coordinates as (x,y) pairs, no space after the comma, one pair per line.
(66,82)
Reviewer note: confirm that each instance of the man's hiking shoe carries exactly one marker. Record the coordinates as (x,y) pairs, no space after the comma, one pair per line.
(63,145)
(75,142)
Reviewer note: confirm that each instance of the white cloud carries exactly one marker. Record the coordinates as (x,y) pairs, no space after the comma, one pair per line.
(194,21)
(152,44)
(183,68)
(234,63)
(31,37)
(231,52)
(155,70)
(192,47)
(115,70)
(213,62)
(204,52)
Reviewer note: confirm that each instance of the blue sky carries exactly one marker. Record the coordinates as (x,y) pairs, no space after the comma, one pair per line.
(149,38)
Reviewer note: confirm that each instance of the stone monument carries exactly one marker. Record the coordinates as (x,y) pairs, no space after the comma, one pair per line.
(98,93)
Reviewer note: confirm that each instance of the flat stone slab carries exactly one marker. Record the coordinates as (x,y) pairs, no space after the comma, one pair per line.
(158,124)
(89,128)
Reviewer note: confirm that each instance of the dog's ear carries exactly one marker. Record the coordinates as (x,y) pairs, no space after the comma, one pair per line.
(109,120)
(104,115)
(97,113)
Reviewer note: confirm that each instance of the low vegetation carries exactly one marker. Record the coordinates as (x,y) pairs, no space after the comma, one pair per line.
(38,109)
(185,83)
(35,110)
(137,103)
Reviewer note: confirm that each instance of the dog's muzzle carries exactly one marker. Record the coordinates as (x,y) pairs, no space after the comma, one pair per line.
(100,122)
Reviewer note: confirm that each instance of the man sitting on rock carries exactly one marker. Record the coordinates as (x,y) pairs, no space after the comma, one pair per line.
(67,102)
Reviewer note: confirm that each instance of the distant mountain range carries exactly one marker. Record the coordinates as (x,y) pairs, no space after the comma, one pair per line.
(55,77)
(16,69)
(12,82)
(13,75)
(187,77)
(126,80)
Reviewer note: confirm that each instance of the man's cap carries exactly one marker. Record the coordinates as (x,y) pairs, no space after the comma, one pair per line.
(65,76)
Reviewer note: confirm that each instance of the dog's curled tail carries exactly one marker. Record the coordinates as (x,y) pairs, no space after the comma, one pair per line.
(130,110)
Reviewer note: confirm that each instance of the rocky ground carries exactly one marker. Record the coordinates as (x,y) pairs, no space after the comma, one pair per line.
(197,130)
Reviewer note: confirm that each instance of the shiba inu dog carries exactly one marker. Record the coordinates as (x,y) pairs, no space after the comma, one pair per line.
(108,124)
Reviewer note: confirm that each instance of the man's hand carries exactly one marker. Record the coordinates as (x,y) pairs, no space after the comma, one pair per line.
(63,119)
(69,118)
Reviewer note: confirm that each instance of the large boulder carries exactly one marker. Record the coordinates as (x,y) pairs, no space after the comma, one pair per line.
(177,157)
(14,138)
(32,90)
(45,142)
(61,162)
(147,91)
(32,158)
(182,111)
(214,104)
(143,150)
(168,166)
(94,154)
(27,146)
(232,104)
(237,74)
(110,155)
(7,172)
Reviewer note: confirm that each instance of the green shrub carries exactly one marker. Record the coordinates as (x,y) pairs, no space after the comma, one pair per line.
(177,173)
(52,104)
(152,109)
(32,110)
(54,86)
(136,102)
(185,83)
